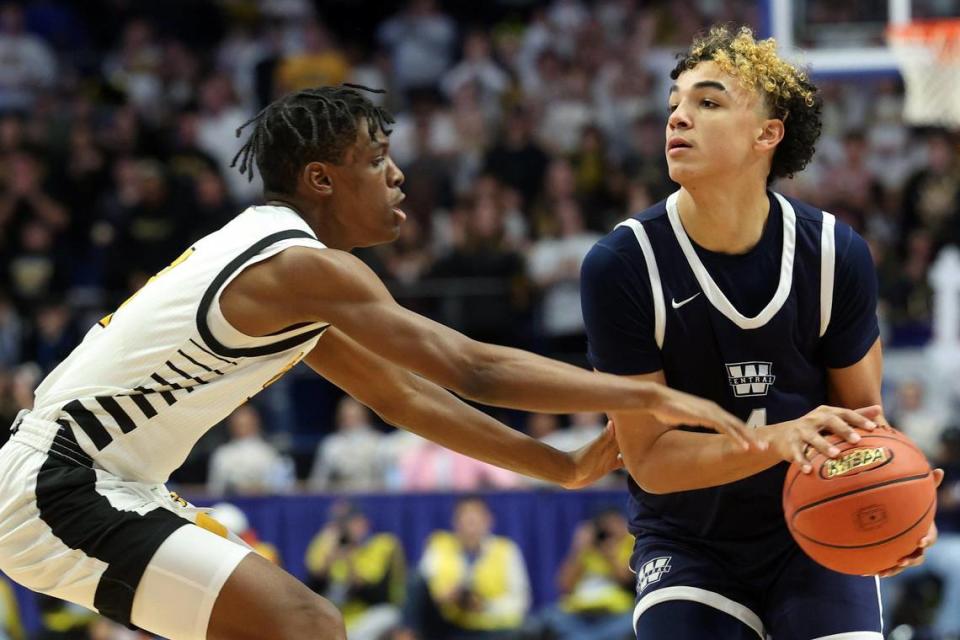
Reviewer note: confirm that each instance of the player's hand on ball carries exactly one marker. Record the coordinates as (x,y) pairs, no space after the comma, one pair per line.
(595,459)
(676,408)
(796,440)
(917,557)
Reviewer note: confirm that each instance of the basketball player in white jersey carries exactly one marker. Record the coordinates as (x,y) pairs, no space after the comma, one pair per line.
(84,515)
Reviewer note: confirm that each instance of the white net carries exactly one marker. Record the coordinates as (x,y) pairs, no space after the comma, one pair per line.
(929,58)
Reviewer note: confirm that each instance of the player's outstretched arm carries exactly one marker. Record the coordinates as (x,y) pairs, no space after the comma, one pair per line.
(660,459)
(408,401)
(309,285)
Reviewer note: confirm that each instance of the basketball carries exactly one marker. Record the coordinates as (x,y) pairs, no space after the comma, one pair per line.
(863,511)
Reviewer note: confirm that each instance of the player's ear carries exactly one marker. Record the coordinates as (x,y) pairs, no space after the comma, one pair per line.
(317,177)
(771,133)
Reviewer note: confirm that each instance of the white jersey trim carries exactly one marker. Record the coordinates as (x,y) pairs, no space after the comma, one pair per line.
(828,259)
(853,635)
(879,603)
(710,288)
(656,288)
(709,598)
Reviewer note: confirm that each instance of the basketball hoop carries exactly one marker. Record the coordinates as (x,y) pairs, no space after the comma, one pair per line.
(928,54)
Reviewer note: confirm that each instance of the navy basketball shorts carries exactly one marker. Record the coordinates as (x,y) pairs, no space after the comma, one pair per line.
(793,598)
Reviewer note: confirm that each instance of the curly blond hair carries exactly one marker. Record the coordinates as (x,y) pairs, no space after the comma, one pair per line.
(785,88)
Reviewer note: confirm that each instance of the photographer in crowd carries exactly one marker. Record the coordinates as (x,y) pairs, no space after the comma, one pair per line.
(362,574)
(472,584)
(596,584)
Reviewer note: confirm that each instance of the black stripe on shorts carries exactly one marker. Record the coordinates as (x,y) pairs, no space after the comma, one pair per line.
(84,519)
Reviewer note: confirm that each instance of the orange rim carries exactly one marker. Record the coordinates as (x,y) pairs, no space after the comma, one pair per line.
(942,35)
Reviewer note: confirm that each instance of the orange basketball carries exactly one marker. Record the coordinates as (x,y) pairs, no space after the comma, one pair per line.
(863,511)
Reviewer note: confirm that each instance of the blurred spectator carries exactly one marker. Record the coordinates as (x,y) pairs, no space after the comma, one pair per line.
(26,377)
(596,584)
(220,117)
(33,269)
(23,199)
(644,159)
(62,620)
(420,39)
(480,69)
(853,188)
(28,63)
(16,393)
(544,427)
(247,464)
(426,130)
(553,265)
(431,467)
(236,522)
(584,427)
(318,63)
(362,574)
(916,416)
(347,460)
(11,334)
(105,629)
(151,226)
(214,208)
(409,257)
(905,290)
(472,584)
(565,117)
(11,628)
(942,560)
(134,69)
(394,447)
(931,196)
(185,157)
(55,336)
(517,159)
(481,254)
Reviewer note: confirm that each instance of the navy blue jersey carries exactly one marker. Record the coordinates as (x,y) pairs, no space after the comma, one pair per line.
(754,332)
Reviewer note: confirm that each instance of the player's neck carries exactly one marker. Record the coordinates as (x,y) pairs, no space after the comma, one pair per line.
(724,218)
(325,227)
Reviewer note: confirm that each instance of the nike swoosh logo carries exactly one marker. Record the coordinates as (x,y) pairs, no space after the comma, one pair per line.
(677,305)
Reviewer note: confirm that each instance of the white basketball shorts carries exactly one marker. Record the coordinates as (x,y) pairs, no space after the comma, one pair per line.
(128,550)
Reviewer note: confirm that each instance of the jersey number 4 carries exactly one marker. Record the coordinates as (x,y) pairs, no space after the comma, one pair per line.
(757,418)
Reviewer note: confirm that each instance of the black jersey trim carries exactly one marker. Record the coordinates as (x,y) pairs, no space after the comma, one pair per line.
(183,374)
(88,423)
(166,383)
(143,404)
(209,353)
(111,406)
(207,300)
(83,519)
(200,364)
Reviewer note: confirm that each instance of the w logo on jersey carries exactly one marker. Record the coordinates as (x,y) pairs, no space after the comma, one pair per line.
(652,571)
(750,378)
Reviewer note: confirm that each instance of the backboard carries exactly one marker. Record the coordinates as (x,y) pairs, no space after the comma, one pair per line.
(846,36)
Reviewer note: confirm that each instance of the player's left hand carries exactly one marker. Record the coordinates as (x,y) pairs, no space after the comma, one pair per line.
(595,459)
(917,557)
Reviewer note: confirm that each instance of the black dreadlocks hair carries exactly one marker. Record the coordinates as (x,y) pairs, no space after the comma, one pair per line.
(311,125)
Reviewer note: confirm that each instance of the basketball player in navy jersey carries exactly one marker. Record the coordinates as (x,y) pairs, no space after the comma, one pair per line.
(766,305)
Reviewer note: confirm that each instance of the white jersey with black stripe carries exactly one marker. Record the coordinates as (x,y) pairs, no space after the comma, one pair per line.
(148,381)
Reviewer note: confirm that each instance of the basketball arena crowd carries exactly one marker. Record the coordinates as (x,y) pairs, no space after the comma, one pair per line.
(526,129)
